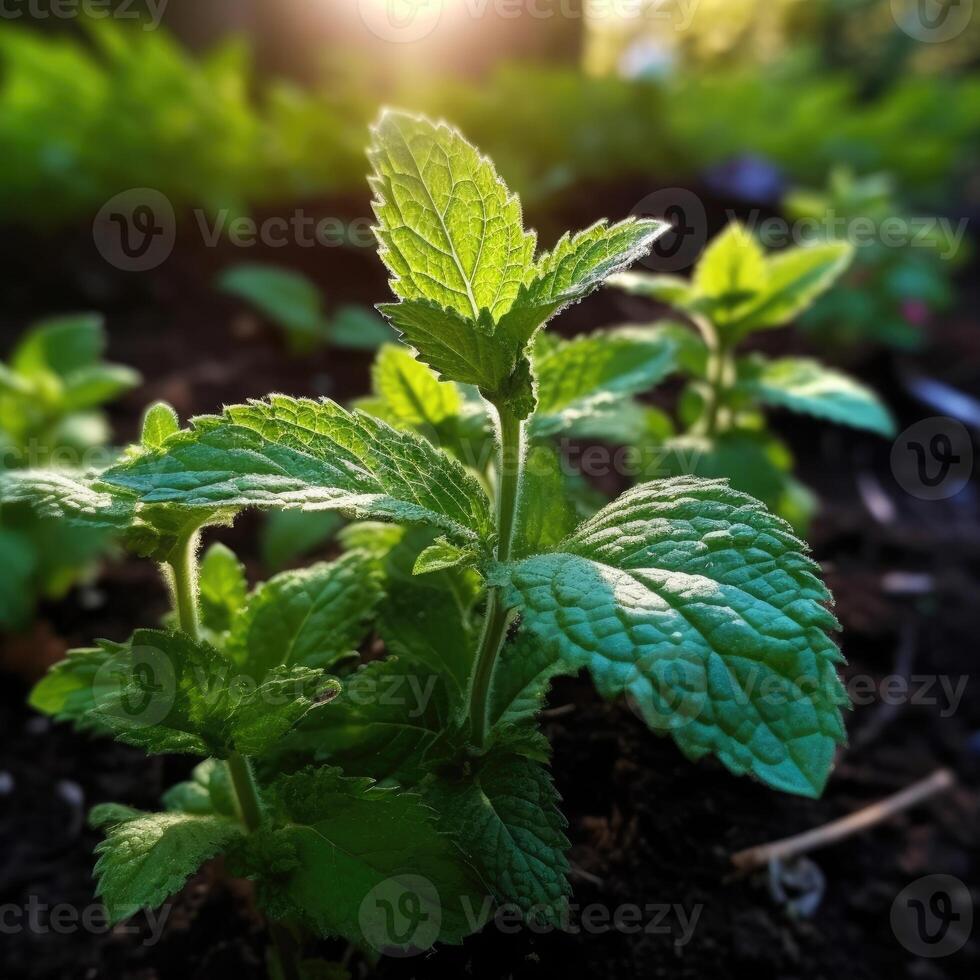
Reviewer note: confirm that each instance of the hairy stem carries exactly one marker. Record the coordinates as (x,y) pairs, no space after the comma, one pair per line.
(248,803)
(510,474)
(183,584)
(182,573)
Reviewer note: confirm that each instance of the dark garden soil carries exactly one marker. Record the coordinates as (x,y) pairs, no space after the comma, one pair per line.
(648,828)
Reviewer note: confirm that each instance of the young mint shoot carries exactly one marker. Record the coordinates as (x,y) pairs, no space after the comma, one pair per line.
(737,291)
(480,576)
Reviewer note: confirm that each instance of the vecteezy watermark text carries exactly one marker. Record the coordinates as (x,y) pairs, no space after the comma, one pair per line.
(65,919)
(150,12)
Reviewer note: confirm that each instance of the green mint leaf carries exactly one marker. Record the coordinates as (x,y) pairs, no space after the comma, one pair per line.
(412,396)
(358,328)
(575,267)
(428,619)
(67,495)
(577,377)
(164,692)
(455,347)
(443,554)
(546,513)
(361,855)
(795,278)
(222,587)
(147,857)
(209,791)
(60,345)
(160,421)
(287,535)
(311,617)
(807,386)
(90,387)
(671,290)
(448,228)
(382,723)
(521,680)
(506,819)
(702,607)
(731,273)
(285,297)
(67,690)
(298,453)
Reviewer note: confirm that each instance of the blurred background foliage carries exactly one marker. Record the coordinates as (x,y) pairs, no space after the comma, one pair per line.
(252,117)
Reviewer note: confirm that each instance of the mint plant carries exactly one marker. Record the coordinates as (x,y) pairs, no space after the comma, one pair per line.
(685,595)
(735,292)
(52,389)
(295,305)
(891,294)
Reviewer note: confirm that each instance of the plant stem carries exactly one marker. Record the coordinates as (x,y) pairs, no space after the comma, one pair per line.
(510,475)
(183,580)
(719,374)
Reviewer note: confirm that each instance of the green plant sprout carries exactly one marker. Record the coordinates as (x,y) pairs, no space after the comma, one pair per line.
(737,290)
(892,292)
(683,594)
(295,305)
(51,392)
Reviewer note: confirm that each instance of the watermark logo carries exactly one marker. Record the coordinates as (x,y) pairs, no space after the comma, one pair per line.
(135,230)
(401,21)
(680,247)
(933,916)
(932,21)
(933,459)
(139,691)
(401,916)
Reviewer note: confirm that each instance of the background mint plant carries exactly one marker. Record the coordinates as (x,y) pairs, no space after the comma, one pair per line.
(294,304)
(52,389)
(684,594)
(891,293)
(736,291)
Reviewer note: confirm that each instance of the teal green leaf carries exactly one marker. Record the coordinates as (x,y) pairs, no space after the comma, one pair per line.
(807,386)
(696,602)
(360,852)
(505,817)
(146,857)
(448,228)
(311,617)
(298,453)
